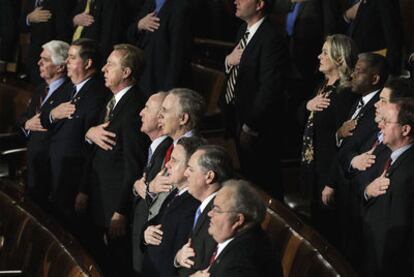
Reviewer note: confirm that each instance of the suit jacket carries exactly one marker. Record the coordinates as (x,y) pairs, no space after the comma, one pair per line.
(365,128)
(176,217)
(113,172)
(202,243)
(378,25)
(249,255)
(388,223)
(325,125)
(259,84)
(141,208)
(68,149)
(109,22)
(9,28)
(315,20)
(58,27)
(38,167)
(167,50)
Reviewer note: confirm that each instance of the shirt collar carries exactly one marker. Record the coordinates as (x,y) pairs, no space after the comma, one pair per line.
(56,84)
(397,153)
(156,142)
(120,93)
(206,201)
(369,96)
(81,84)
(186,135)
(253,29)
(221,246)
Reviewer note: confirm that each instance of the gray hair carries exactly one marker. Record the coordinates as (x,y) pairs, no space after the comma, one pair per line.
(58,51)
(247,201)
(216,159)
(192,103)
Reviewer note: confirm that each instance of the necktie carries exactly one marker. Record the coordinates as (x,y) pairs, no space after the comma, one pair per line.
(78,32)
(158,5)
(231,82)
(213,257)
(149,156)
(291,18)
(197,215)
(387,165)
(360,105)
(109,108)
(168,153)
(43,96)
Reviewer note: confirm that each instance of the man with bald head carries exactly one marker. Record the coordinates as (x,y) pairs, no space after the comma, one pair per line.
(243,248)
(155,161)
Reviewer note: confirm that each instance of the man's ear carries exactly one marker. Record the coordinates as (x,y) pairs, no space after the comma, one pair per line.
(126,73)
(88,64)
(210,177)
(61,68)
(375,79)
(185,117)
(239,221)
(260,5)
(406,130)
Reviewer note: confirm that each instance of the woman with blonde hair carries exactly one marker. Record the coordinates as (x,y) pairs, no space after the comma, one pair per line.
(325,112)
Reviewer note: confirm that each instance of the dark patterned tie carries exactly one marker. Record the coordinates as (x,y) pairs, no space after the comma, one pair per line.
(43,96)
(231,82)
(109,108)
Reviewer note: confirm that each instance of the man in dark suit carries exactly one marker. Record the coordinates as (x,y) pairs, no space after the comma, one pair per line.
(243,248)
(155,162)
(45,20)
(368,79)
(376,25)
(118,157)
(307,24)
(208,168)
(101,20)
(69,122)
(389,210)
(163,30)
(181,112)
(254,91)
(52,67)
(169,230)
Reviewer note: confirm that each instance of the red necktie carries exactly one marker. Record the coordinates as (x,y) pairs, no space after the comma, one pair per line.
(387,165)
(168,153)
(213,257)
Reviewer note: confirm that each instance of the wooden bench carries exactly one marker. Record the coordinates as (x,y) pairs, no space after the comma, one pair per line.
(303,252)
(30,242)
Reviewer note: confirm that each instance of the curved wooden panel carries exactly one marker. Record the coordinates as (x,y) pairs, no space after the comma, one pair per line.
(34,244)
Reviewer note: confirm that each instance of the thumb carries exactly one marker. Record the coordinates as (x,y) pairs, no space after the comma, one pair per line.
(371,150)
(104,125)
(383,174)
(189,241)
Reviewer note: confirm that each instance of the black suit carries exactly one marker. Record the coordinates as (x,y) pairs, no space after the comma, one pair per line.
(378,25)
(365,128)
(258,93)
(38,162)
(9,27)
(68,149)
(140,215)
(109,22)
(58,27)
(247,255)
(176,217)
(167,50)
(114,172)
(388,223)
(202,243)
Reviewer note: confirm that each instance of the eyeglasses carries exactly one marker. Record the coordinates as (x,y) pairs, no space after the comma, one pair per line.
(217,210)
(387,122)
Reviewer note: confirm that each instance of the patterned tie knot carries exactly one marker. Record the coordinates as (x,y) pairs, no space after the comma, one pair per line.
(243,41)
(109,108)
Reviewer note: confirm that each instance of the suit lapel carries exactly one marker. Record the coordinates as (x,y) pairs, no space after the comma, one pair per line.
(398,162)
(253,41)
(121,103)
(203,217)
